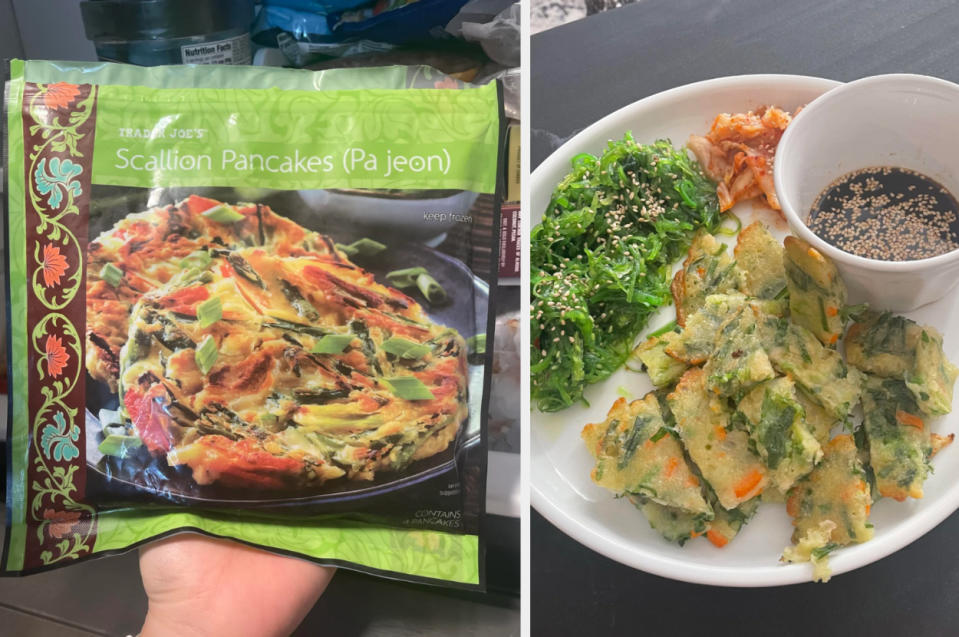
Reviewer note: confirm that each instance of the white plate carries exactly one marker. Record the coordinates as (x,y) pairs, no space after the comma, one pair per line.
(561,489)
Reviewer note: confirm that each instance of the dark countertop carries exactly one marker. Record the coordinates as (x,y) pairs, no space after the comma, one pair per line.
(911,592)
(587,69)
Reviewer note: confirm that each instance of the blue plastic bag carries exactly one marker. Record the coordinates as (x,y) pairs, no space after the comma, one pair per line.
(396,21)
(302,25)
(316,6)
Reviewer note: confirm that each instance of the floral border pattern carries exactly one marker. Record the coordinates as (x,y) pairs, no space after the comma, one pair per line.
(58,123)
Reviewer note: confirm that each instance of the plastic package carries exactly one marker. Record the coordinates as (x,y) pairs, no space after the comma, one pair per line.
(499,37)
(477,11)
(200,343)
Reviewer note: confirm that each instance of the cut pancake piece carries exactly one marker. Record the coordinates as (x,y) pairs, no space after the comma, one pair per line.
(635,453)
(818,370)
(708,269)
(830,507)
(900,445)
(882,343)
(663,369)
(698,339)
(775,422)
(932,377)
(816,291)
(723,456)
(739,361)
(760,257)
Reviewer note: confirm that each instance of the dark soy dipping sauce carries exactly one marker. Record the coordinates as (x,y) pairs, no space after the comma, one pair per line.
(887,213)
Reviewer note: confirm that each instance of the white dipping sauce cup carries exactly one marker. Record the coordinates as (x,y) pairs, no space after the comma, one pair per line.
(905,121)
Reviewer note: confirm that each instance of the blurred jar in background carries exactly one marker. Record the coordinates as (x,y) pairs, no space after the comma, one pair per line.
(155,32)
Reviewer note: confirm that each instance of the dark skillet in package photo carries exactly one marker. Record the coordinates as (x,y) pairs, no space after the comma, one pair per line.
(251,303)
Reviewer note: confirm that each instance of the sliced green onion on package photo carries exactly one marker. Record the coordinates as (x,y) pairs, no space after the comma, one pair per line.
(246,302)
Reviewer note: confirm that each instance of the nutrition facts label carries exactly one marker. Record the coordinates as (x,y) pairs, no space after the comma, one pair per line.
(230,51)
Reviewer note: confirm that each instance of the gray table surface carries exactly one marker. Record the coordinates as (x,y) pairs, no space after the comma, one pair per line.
(587,69)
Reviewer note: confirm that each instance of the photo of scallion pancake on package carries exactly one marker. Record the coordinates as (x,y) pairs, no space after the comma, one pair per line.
(254,352)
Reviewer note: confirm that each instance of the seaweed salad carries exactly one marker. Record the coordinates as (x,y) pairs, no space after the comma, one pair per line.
(600,260)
